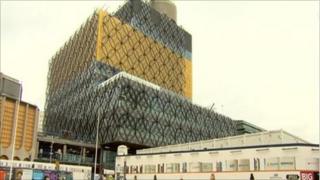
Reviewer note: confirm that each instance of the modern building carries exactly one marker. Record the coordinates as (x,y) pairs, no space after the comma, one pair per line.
(265,155)
(40,123)
(129,74)
(18,122)
(244,127)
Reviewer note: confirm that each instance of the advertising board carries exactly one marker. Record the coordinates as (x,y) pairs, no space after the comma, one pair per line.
(37,175)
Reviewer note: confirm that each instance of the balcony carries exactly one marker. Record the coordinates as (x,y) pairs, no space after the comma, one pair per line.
(65,158)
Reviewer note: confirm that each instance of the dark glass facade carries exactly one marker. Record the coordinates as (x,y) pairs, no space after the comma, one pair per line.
(244,127)
(132,110)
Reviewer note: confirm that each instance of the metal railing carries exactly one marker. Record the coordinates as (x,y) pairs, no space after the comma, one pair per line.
(70,158)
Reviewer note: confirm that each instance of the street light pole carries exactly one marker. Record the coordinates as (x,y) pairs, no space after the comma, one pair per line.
(51,148)
(97,140)
(101,85)
(15,122)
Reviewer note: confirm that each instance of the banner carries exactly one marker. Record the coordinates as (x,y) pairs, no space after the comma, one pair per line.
(37,175)
(2,174)
(52,175)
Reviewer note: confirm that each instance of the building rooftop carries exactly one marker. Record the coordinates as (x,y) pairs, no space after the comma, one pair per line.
(261,138)
(244,127)
(10,87)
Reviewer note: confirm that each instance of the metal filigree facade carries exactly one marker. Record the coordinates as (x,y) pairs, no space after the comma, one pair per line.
(156,25)
(126,48)
(138,83)
(132,110)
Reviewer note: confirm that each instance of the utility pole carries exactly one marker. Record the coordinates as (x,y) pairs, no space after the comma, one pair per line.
(124,169)
(15,123)
(97,141)
(51,147)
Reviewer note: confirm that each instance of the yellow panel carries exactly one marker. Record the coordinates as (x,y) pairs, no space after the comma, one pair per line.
(28,139)
(101,15)
(107,39)
(20,125)
(188,79)
(7,123)
(127,49)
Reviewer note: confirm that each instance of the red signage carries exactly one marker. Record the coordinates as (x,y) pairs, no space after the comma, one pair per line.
(2,174)
(306,175)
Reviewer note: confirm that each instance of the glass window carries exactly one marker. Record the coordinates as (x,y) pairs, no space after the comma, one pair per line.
(184,167)
(232,165)
(173,168)
(219,166)
(162,168)
(150,169)
(244,165)
(206,167)
(135,169)
(287,163)
(176,167)
(194,167)
(256,164)
(271,163)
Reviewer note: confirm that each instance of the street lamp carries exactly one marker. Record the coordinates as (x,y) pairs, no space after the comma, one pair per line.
(51,147)
(101,85)
(97,139)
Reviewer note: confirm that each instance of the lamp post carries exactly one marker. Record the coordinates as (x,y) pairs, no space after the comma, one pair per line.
(15,122)
(51,147)
(124,169)
(97,140)
(101,85)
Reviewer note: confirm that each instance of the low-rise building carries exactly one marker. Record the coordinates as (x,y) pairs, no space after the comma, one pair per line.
(264,155)
(39,170)
(64,150)
(18,128)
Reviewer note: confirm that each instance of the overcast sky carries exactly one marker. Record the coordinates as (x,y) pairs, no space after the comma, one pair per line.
(256,60)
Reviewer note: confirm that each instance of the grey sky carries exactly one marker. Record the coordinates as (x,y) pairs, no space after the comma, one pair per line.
(256,60)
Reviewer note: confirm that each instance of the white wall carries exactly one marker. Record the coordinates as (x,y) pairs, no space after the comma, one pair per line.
(306,158)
